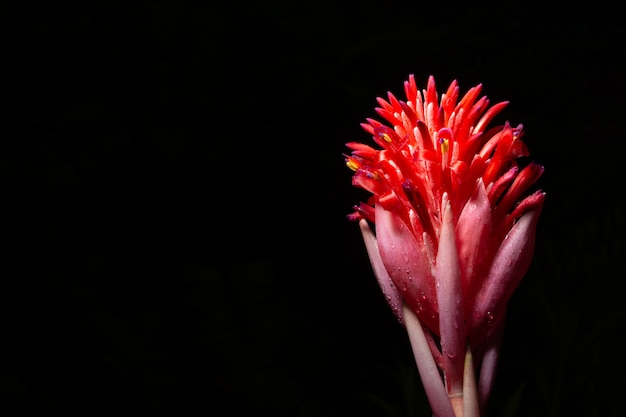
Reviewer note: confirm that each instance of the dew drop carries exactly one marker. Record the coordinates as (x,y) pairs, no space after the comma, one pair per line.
(489,318)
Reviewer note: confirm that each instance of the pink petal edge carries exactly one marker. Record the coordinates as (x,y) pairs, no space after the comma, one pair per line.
(391,293)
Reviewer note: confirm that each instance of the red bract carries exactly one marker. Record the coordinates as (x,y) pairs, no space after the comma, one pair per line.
(454,221)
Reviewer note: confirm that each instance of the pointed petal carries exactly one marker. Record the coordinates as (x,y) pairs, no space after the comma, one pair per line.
(450,299)
(489,363)
(507,269)
(408,265)
(473,229)
(391,293)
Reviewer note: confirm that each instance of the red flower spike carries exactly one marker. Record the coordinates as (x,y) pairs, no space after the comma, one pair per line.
(454,226)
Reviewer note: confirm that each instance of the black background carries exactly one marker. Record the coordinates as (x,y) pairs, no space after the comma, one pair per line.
(174,201)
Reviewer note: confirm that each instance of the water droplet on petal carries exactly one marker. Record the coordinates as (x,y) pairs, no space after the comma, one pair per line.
(489,318)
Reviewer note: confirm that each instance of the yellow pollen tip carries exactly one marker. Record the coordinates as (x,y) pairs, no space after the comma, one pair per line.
(386,137)
(353,165)
(444,145)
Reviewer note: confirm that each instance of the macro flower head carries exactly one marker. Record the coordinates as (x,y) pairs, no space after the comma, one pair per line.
(450,223)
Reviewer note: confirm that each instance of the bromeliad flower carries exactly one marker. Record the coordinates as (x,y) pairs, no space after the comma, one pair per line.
(454,231)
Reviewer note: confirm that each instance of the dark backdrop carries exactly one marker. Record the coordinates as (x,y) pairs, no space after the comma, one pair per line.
(174,201)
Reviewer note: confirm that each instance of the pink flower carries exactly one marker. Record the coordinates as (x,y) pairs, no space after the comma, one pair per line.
(454,222)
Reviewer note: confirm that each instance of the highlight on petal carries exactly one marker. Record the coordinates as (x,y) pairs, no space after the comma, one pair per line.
(391,293)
